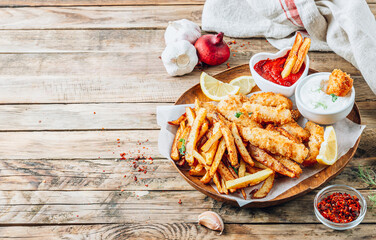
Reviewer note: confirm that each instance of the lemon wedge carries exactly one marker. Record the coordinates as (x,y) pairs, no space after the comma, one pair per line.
(246,83)
(215,89)
(328,150)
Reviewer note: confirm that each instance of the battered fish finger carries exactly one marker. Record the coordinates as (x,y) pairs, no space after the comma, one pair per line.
(271,99)
(297,131)
(340,83)
(264,114)
(275,143)
(314,143)
(231,109)
(289,164)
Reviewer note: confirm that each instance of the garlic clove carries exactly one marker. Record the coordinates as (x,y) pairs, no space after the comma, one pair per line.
(212,221)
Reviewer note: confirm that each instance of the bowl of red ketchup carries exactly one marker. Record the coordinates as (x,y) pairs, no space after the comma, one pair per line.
(266,70)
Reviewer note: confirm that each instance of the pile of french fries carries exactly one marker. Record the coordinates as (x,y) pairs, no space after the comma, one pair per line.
(296,56)
(215,151)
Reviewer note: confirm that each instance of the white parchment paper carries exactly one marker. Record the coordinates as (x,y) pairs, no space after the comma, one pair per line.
(346,130)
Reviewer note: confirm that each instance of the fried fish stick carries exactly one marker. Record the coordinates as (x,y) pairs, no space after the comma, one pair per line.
(275,143)
(294,129)
(295,114)
(271,99)
(193,135)
(231,109)
(283,132)
(314,143)
(263,157)
(264,114)
(289,164)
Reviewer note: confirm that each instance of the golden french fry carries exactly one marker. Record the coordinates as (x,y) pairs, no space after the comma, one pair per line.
(265,188)
(174,149)
(204,128)
(270,162)
(193,135)
(303,51)
(224,172)
(223,185)
(217,183)
(199,158)
(191,115)
(260,165)
(252,179)
(230,144)
(206,178)
(194,172)
(218,157)
(199,167)
(252,170)
(183,140)
(236,176)
(209,155)
(239,143)
(295,47)
(214,138)
(179,120)
(289,65)
(242,168)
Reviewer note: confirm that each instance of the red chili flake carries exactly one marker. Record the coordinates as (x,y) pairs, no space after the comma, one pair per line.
(180,202)
(234,55)
(104,170)
(95,113)
(340,207)
(77,215)
(135,178)
(159,57)
(39,121)
(146,185)
(118,139)
(125,175)
(136,195)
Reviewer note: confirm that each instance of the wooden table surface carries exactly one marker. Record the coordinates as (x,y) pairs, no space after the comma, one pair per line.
(79,84)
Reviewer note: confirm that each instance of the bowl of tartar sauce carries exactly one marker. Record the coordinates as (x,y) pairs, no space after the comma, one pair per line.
(316,105)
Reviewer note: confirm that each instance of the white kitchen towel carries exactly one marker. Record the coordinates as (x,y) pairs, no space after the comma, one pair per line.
(347,27)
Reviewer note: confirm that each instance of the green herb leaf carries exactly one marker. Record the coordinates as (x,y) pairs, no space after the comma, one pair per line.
(318,90)
(238,114)
(182,148)
(236,170)
(334,97)
(367,175)
(250,113)
(320,104)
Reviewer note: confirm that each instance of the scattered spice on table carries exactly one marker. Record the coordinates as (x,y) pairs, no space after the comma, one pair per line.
(180,202)
(340,207)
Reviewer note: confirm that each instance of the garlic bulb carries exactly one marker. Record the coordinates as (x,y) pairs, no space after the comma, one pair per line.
(212,221)
(179,58)
(182,30)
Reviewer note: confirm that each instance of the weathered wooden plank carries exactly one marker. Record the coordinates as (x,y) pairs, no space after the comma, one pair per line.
(114,116)
(103,144)
(88,207)
(96,17)
(106,78)
(185,231)
(100,17)
(78,116)
(66,3)
(108,175)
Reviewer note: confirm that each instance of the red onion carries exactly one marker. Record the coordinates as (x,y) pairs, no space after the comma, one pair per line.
(212,50)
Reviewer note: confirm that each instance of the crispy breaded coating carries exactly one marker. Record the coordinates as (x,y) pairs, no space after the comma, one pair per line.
(264,114)
(340,83)
(289,164)
(314,143)
(295,114)
(271,99)
(275,143)
(231,109)
(297,131)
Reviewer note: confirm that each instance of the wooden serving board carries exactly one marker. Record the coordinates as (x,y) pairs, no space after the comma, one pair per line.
(303,187)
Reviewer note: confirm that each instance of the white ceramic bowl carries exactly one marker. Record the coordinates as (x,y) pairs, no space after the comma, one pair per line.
(317,115)
(268,86)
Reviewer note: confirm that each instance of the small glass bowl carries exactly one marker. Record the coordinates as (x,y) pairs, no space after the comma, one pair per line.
(342,189)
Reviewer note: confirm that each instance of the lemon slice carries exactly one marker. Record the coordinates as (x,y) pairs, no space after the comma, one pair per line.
(328,150)
(246,83)
(215,89)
